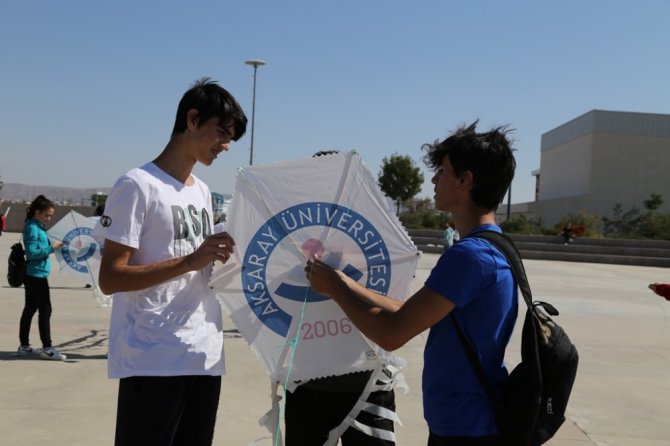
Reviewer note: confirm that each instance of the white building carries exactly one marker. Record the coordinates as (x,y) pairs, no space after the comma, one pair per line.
(600,159)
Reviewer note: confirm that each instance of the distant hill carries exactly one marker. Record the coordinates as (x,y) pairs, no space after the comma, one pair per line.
(60,195)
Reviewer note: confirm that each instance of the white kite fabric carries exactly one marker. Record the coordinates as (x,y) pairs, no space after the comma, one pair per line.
(281,215)
(81,253)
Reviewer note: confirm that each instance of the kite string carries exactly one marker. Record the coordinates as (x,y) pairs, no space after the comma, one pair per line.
(348,201)
(293,345)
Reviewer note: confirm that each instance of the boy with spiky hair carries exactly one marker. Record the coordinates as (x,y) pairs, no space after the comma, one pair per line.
(472,283)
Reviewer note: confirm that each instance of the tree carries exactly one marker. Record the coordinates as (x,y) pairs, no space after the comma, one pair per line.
(653,202)
(623,223)
(633,223)
(420,213)
(98,199)
(400,179)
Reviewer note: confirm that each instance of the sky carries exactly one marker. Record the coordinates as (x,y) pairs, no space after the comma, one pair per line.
(89,90)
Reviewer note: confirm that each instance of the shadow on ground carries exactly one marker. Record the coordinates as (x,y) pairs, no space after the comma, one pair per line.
(82,348)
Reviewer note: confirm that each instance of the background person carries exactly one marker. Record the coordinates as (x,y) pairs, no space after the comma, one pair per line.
(36,284)
(166,328)
(567,233)
(449,235)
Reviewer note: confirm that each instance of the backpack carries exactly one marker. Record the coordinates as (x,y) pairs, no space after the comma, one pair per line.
(16,265)
(536,392)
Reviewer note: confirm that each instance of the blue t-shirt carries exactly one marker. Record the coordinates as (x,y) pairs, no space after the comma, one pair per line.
(476,277)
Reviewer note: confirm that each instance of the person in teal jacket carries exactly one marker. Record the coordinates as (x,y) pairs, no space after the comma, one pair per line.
(36,284)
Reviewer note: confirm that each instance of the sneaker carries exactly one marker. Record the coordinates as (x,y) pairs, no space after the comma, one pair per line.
(24,350)
(52,353)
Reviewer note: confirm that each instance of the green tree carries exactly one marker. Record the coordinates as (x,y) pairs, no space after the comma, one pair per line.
(400,178)
(623,223)
(653,202)
(420,213)
(592,223)
(98,199)
(635,224)
(652,224)
(521,224)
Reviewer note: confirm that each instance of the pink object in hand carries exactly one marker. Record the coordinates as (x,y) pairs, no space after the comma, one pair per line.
(312,247)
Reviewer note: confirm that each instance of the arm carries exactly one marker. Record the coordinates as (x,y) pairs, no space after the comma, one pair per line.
(371,298)
(388,327)
(117,275)
(34,249)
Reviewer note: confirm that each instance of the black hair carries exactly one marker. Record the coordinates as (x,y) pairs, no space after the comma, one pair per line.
(40,203)
(487,155)
(210,100)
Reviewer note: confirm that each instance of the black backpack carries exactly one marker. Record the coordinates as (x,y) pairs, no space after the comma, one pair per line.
(536,392)
(16,265)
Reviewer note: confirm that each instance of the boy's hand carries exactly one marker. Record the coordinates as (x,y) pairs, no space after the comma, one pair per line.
(215,247)
(322,278)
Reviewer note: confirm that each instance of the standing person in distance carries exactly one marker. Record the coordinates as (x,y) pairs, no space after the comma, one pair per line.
(449,235)
(36,283)
(166,330)
(472,282)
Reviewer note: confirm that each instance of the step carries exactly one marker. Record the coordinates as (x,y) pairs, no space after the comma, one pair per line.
(595,249)
(596,258)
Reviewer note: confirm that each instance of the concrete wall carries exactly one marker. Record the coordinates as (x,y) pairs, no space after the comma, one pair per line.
(566,169)
(627,169)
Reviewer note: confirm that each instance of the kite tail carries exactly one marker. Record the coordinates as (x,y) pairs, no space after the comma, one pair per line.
(379,381)
(103,300)
(271,419)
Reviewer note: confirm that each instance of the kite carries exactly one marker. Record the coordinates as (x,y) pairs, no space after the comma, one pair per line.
(81,253)
(281,215)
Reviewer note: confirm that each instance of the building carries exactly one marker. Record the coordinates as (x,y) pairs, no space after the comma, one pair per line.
(599,159)
(220,204)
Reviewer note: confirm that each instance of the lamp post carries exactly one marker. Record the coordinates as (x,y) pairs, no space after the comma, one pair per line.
(509,200)
(255,63)
(509,194)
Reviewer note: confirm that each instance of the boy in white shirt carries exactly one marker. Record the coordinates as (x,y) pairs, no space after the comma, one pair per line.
(165,337)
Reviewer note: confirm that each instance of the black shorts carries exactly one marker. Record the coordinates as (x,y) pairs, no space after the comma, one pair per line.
(167,411)
(311,413)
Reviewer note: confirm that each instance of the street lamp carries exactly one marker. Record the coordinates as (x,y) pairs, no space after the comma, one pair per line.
(509,200)
(255,63)
(509,194)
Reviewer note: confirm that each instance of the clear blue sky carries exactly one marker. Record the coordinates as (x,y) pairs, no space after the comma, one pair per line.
(89,89)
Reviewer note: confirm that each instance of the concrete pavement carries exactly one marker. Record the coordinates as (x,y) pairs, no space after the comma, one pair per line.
(621,396)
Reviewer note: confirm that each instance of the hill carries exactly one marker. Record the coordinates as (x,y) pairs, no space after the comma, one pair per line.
(61,195)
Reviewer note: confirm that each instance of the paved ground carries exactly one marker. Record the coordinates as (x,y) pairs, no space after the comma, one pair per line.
(621,396)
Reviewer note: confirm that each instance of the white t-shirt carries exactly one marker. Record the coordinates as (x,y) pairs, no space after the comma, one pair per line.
(174,328)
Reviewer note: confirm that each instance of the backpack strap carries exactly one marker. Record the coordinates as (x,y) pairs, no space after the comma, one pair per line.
(511,253)
(506,245)
(474,362)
